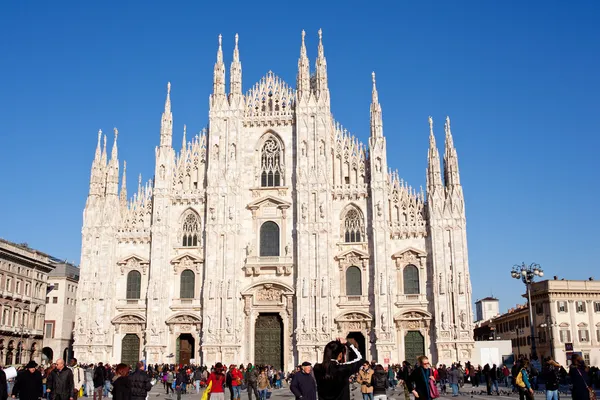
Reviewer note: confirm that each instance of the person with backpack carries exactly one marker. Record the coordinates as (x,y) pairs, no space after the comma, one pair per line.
(522,382)
(379,383)
(552,377)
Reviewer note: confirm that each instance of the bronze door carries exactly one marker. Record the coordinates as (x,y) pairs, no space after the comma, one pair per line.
(130,351)
(414,346)
(185,349)
(268,340)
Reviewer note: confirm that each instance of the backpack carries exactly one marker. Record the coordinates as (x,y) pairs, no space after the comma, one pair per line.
(519,380)
(379,381)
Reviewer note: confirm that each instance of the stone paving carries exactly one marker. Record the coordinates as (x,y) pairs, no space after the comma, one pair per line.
(158,393)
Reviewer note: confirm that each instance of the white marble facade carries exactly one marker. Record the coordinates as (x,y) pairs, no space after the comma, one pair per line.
(274,208)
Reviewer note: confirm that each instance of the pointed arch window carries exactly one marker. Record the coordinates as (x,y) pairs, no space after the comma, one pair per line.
(187,284)
(134,285)
(269,239)
(354,226)
(353,281)
(191,230)
(271,163)
(411,279)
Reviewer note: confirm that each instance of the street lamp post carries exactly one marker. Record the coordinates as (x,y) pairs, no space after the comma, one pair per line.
(549,324)
(527,273)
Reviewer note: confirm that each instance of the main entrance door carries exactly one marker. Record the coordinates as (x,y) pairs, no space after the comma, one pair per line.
(130,349)
(268,340)
(185,349)
(414,346)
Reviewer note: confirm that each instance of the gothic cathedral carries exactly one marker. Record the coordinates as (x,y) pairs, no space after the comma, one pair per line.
(270,234)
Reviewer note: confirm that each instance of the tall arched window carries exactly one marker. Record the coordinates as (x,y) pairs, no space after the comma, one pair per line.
(269,239)
(134,285)
(353,282)
(187,284)
(354,226)
(411,279)
(191,230)
(271,163)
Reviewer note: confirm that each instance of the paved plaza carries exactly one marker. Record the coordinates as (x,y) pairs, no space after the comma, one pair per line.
(467,391)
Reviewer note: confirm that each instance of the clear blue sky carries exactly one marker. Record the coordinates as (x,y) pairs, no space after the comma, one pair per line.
(519,79)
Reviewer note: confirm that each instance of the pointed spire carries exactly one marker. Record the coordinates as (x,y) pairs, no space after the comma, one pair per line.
(219,72)
(104,155)
(114,153)
(139,192)
(235,73)
(321,69)
(123,194)
(434,175)
(376,117)
(166,124)
(303,78)
(98,151)
(451,173)
(183,141)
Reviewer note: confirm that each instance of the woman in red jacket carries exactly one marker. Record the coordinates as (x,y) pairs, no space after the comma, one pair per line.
(217,377)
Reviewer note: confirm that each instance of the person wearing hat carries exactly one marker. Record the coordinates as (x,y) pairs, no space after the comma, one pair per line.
(28,385)
(304,385)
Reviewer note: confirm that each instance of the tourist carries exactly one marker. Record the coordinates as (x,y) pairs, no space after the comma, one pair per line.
(420,377)
(217,380)
(264,384)
(60,384)
(170,381)
(180,379)
(552,377)
(333,374)
(121,384)
(3,385)
(303,384)
(197,377)
(454,379)
(99,378)
(522,382)
(78,377)
(28,384)
(251,381)
(140,383)
(364,378)
(403,378)
(236,382)
(379,383)
(579,378)
(494,379)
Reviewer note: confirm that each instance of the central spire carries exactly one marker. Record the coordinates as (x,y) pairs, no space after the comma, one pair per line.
(166,123)
(219,72)
(376,116)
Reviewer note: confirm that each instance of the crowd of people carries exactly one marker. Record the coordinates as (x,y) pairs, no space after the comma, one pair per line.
(342,370)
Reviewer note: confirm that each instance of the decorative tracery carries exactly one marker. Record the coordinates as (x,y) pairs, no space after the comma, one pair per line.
(271,163)
(354,228)
(191,230)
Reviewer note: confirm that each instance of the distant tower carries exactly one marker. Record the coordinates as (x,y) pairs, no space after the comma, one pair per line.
(486,309)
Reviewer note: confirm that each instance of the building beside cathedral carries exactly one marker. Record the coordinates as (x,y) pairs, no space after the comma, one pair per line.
(270,234)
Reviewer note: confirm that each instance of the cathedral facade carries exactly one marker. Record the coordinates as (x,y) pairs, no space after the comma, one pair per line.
(271,233)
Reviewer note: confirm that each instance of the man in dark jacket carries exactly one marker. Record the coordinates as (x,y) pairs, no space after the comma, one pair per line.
(3,385)
(60,383)
(304,385)
(28,385)
(252,381)
(99,378)
(140,383)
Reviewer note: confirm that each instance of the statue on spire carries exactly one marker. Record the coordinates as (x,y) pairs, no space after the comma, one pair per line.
(166,124)
(235,85)
(303,78)
(219,72)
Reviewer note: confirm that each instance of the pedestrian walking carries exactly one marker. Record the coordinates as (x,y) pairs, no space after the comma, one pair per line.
(304,385)
(28,385)
(140,383)
(60,384)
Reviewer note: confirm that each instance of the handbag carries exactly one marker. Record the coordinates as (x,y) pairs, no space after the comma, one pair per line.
(590,390)
(206,394)
(433,390)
